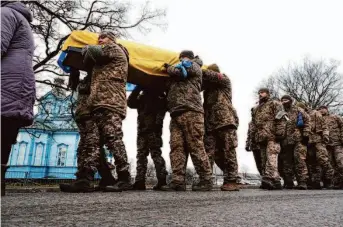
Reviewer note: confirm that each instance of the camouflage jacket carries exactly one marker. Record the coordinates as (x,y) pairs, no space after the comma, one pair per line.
(219,111)
(151,111)
(267,121)
(82,109)
(109,76)
(335,125)
(184,94)
(250,143)
(318,127)
(293,133)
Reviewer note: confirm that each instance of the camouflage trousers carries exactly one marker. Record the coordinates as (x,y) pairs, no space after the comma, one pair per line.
(109,129)
(336,159)
(88,160)
(318,159)
(293,157)
(258,160)
(149,143)
(220,147)
(269,155)
(187,137)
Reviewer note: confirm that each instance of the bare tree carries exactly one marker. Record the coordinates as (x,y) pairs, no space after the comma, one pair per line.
(54,21)
(314,82)
(151,172)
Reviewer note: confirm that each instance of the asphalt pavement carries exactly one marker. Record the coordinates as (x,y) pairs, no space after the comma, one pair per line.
(249,207)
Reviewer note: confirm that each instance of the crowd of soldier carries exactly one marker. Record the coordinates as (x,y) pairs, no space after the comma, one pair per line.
(290,140)
(204,131)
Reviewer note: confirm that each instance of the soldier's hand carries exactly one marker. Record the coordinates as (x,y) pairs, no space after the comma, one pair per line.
(166,65)
(305,140)
(326,139)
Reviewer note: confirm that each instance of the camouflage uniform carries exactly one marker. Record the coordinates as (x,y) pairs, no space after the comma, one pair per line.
(335,146)
(268,127)
(293,148)
(317,153)
(86,157)
(187,123)
(151,108)
(108,102)
(221,122)
(251,146)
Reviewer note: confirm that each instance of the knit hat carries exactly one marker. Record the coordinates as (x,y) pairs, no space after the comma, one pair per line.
(288,97)
(214,67)
(301,105)
(187,53)
(109,34)
(264,89)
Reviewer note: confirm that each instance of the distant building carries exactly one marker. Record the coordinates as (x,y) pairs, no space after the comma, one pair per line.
(47,149)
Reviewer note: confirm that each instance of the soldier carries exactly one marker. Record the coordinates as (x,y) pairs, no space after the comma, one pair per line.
(151,108)
(294,145)
(86,128)
(335,145)
(317,153)
(108,105)
(269,131)
(251,146)
(221,123)
(187,123)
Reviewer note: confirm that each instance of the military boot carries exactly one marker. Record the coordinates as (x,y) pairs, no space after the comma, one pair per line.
(139,185)
(288,184)
(230,186)
(174,187)
(80,185)
(123,184)
(338,186)
(301,186)
(328,184)
(3,180)
(203,185)
(104,182)
(162,181)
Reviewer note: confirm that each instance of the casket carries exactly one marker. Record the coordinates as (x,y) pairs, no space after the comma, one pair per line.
(146,62)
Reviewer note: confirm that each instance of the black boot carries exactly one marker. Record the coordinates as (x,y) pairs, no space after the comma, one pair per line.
(80,185)
(203,185)
(162,181)
(104,182)
(288,184)
(301,186)
(123,184)
(174,187)
(3,180)
(139,185)
(328,184)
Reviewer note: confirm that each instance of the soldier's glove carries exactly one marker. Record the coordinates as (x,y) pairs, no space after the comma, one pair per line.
(305,140)
(247,148)
(326,139)
(166,65)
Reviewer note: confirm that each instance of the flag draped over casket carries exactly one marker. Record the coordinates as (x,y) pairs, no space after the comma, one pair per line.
(146,62)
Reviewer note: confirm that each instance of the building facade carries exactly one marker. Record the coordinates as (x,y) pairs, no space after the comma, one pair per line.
(47,149)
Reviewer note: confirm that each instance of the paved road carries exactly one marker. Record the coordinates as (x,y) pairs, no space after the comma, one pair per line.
(248,207)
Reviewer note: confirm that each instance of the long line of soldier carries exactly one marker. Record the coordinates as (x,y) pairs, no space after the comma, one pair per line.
(205,131)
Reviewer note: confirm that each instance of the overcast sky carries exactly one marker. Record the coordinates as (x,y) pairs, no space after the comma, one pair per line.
(249,40)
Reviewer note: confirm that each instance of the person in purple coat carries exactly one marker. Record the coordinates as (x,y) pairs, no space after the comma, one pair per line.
(18,90)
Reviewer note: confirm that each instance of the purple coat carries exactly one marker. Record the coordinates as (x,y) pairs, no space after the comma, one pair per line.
(18,89)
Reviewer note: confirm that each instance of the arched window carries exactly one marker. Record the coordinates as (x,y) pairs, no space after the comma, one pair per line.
(21,153)
(38,154)
(62,155)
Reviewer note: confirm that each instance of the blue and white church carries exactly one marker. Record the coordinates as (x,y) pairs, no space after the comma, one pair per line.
(47,149)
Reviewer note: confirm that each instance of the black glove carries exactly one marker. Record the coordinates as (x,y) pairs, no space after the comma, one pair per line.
(166,65)
(247,148)
(305,140)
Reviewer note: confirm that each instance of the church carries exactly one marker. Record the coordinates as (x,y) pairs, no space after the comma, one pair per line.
(47,149)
